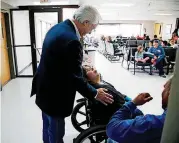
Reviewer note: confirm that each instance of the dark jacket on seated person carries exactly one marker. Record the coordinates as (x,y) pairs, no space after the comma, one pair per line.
(105,112)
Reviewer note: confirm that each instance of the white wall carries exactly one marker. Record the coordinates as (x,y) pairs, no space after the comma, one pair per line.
(149,25)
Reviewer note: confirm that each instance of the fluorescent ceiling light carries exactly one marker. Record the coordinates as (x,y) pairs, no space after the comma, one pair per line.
(163,14)
(117,4)
(51,3)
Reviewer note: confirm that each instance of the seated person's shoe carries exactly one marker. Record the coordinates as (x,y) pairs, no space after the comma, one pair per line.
(164,76)
(143,68)
(150,73)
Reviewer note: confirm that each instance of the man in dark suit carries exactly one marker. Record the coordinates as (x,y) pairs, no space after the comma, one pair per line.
(59,74)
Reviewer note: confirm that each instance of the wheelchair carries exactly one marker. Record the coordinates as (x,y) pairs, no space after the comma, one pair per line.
(92,129)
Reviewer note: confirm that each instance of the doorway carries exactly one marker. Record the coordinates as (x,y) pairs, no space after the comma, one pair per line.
(5,75)
(42,21)
(158,29)
(29,33)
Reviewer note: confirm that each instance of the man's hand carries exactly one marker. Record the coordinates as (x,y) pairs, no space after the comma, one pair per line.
(104,97)
(142,99)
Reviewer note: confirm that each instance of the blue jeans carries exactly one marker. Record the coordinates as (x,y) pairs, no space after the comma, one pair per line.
(53,129)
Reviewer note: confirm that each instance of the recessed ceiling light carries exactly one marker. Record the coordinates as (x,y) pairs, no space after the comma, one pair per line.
(117,4)
(163,14)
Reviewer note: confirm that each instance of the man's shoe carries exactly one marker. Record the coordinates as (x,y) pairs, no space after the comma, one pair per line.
(164,76)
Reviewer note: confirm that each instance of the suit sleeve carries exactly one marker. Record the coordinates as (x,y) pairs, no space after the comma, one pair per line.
(74,59)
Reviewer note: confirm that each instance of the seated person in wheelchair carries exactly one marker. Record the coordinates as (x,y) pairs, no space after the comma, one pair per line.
(157,56)
(139,55)
(148,128)
(100,110)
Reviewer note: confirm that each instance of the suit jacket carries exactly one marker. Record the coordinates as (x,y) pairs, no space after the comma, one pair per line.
(59,74)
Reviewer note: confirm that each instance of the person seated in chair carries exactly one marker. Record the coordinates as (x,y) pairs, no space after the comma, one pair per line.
(122,128)
(94,78)
(172,43)
(158,55)
(139,55)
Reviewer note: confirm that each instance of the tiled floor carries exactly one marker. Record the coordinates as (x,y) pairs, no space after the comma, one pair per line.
(21,119)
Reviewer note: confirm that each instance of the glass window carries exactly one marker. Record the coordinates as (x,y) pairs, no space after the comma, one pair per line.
(125,30)
(128,30)
(24,60)
(107,30)
(21,27)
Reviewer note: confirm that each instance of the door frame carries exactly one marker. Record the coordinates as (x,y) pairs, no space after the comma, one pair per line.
(32,30)
(32,10)
(9,44)
(14,46)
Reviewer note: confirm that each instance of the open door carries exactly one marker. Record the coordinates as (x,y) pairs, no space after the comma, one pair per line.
(158,30)
(5,68)
(21,42)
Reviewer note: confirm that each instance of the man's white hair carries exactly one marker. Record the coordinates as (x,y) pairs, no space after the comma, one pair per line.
(88,13)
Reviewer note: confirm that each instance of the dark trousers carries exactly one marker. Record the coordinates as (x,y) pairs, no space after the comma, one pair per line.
(53,129)
(159,66)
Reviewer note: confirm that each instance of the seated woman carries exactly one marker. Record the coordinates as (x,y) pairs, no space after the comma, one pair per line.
(172,43)
(94,78)
(157,57)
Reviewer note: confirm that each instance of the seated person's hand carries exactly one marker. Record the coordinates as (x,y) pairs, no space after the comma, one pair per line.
(153,60)
(104,97)
(155,57)
(142,99)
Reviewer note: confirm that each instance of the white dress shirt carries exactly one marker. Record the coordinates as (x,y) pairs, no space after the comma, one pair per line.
(76,29)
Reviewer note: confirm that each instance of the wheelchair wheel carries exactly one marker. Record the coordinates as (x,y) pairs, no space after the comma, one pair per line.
(96,134)
(78,117)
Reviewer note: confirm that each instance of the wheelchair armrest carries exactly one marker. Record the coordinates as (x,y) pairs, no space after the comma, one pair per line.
(81,100)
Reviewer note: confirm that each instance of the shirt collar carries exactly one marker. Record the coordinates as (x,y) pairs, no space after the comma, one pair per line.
(76,29)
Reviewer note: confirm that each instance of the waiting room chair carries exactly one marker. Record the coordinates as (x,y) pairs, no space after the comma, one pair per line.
(170,56)
(131,59)
(140,42)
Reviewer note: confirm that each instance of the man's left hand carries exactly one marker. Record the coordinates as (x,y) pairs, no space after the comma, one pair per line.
(142,99)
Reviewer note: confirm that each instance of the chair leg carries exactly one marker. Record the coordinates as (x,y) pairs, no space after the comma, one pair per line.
(122,61)
(128,64)
(150,70)
(134,67)
(168,68)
